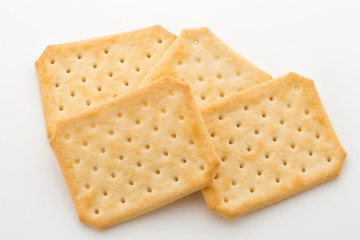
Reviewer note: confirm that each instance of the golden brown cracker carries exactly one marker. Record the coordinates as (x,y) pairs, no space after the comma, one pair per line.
(212,69)
(76,76)
(135,153)
(274,140)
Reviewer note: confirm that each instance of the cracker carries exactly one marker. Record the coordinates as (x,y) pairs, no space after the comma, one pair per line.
(212,69)
(76,76)
(135,153)
(274,140)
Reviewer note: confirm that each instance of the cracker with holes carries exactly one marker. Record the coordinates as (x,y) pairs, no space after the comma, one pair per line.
(74,76)
(212,69)
(273,140)
(135,153)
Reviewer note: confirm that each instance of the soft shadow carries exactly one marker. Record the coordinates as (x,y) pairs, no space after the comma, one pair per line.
(196,200)
(257,214)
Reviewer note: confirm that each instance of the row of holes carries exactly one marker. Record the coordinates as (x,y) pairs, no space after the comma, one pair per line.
(110,74)
(83,79)
(198,60)
(87,102)
(138,164)
(99,88)
(111,132)
(274,139)
(259,172)
(267,156)
(57,84)
(251,189)
(121,157)
(271,98)
(137,122)
(106,51)
(131,183)
(203,97)
(264,115)
(129,140)
(201,78)
(181,117)
(61,107)
(256,131)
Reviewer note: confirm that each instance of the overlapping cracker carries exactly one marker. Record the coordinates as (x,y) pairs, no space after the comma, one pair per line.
(135,153)
(76,76)
(212,69)
(274,140)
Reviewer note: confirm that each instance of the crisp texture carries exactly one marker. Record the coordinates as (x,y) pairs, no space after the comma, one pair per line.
(212,69)
(135,153)
(274,140)
(75,76)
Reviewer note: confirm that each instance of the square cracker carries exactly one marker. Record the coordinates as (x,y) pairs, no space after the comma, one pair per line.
(212,69)
(135,153)
(74,76)
(274,140)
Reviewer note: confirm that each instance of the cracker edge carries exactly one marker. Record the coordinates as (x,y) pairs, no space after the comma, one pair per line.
(179,43)
(298,184)
(212,160)
(43,78)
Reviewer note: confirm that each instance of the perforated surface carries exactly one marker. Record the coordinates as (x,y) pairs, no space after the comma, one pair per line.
(76,76)
(212,69)
(136,153)
(273,140)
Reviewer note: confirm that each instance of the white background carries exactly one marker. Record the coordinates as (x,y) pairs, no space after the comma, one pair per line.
(317,39)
